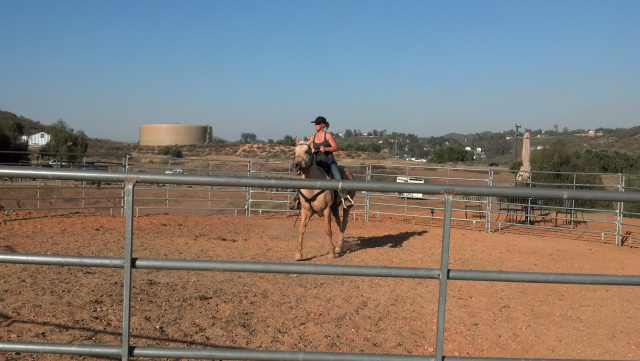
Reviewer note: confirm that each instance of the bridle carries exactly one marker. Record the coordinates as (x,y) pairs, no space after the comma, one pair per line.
(306,160)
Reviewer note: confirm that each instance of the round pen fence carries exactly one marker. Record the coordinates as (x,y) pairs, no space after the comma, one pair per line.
(135,185)
(604,219)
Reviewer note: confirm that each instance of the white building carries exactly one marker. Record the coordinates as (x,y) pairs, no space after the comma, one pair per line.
(37,139)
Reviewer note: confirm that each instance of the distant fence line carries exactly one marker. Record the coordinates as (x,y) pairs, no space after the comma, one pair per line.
(490,213)
(130,181)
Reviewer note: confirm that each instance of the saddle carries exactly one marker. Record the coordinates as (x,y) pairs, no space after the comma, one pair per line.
(326,169)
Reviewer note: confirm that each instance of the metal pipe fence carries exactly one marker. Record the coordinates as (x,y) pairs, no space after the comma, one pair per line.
(497,213)
(610,220)
(129,263)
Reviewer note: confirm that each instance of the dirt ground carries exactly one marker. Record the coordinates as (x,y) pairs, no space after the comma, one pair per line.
(316,313)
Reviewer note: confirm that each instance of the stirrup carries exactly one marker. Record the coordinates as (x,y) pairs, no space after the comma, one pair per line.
(347,202)
(294,203)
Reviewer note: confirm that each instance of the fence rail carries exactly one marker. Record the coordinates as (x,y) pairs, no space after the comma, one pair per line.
(443,274)
(609,220)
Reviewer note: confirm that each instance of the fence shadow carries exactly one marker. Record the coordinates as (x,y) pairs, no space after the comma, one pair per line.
(7,321)
(8,249)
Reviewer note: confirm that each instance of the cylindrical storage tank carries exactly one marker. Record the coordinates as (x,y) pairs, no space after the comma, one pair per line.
(173,134)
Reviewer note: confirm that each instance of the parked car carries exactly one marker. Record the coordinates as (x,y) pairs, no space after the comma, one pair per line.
(172,171)
(53,163)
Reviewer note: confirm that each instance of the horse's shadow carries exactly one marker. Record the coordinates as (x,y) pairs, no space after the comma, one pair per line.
(389,240)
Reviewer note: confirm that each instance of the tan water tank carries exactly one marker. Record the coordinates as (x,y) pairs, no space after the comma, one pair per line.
(174,134)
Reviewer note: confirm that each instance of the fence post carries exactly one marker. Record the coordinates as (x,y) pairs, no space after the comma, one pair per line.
(487,216)
(444,274)
(122,200)
(38,194)
(489,203)
(125,161)
(619,210)
(128,252)
(366,195)
(247,204)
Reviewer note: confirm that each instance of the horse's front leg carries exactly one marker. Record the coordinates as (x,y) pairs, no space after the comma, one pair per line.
(341,226)
(306,215)
(328,232)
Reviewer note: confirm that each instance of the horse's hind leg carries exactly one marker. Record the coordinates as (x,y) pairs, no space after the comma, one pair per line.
(328,232)
(342,225)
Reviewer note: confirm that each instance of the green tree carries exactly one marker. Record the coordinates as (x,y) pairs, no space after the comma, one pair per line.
(371,147)
(493,144)
(611,161)
(65,143)
(246,138)
(450,153)
(287,140)
(632,210)
(172,150)
(11,127)
(374,148)
(557,166)
(11,131)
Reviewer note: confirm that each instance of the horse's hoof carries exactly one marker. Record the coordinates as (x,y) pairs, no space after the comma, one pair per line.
(337,250)
(332,255)
(299,257)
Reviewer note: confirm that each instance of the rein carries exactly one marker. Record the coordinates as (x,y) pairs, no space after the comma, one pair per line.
(307,161)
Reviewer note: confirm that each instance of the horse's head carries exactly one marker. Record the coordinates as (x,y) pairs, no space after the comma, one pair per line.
(303,157)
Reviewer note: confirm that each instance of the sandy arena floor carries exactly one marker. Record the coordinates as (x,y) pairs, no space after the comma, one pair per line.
(316,313)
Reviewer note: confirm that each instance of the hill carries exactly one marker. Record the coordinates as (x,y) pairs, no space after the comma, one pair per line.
(29,126)
(627,140)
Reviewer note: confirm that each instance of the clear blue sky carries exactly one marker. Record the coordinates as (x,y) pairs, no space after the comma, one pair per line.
(270,67)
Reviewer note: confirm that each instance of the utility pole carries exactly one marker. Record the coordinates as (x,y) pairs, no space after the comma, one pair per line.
(395,151)
(517,127)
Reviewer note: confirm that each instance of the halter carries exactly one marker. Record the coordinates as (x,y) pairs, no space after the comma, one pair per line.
(307,160)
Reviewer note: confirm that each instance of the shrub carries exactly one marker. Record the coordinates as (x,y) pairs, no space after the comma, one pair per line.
(172,150)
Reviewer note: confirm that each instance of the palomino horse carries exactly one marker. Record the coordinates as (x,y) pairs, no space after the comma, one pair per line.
(325,203)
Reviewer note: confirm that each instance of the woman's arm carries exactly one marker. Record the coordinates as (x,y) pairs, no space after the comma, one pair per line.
(332,141)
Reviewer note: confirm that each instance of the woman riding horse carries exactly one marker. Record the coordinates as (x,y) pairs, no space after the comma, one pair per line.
(322,202)
(324,145)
